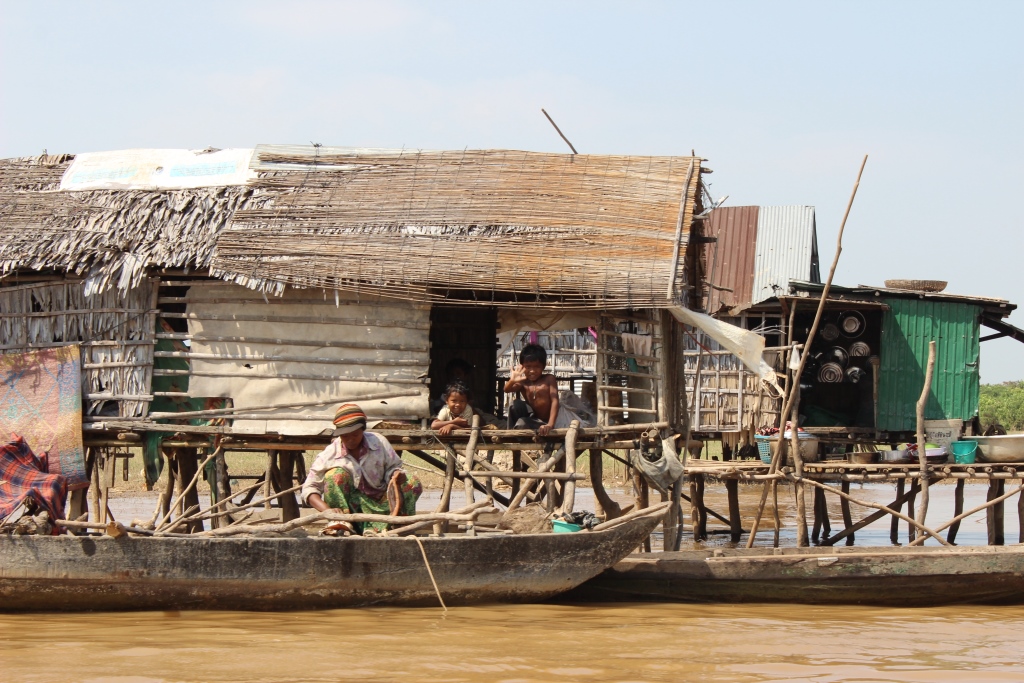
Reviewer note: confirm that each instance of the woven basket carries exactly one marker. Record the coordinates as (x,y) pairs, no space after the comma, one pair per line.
(917,285)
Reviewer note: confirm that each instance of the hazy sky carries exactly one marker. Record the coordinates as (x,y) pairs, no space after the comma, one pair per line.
(782,98)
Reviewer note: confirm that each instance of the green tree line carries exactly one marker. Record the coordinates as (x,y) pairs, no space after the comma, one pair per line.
(1003,403)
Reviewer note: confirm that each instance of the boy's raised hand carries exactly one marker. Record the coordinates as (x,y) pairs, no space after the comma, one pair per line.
(518,374)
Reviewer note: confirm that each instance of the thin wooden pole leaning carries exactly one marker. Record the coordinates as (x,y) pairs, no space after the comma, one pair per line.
(922,455)
(788,403)
(469,459)
(569,497)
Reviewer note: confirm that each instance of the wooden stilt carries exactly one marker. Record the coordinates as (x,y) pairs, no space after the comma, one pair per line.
(732,489)
(994,513)
(517,466)
(468,461)
(268,477)
(1020,515)
(775,512)
(894,527)
(699,517)
(187,468)
(798,468)
(603,502)
(819,498)
(167,494)
(569,488)
(844,504)
(911,530)
(220,487)
(289,506)
(77,505)
(642,501)
(92,463)
(675,514)
(958,508)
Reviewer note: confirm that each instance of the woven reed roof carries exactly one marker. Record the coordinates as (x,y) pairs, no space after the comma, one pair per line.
(109,236)
(490,226)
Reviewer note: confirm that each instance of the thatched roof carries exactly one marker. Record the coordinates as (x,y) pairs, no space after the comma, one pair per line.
(109,236)
(491,227)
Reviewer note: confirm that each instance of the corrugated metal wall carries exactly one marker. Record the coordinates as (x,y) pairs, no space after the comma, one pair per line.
(730,262)
(786,249)
(907,327)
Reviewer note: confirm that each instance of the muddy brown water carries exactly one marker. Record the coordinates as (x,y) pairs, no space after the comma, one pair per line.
(549,642)
(520,644)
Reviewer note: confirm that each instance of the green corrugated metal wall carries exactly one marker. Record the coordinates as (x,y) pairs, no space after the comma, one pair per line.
(907,327)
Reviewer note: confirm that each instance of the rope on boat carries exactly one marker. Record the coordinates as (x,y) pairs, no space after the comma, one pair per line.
(430,571)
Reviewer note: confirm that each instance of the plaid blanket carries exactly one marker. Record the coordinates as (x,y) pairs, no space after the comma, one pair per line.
(41,399)
(23,475)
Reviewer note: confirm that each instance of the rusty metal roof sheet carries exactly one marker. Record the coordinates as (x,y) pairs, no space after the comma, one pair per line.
(787,249)
(730,261)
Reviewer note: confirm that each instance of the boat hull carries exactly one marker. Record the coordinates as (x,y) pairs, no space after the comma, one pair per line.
(890,577)
(69,573)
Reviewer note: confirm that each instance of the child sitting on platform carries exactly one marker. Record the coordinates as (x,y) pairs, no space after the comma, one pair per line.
(456,413)
(542,409)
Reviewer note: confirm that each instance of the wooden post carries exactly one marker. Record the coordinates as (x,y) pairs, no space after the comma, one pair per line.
(958,508)
(569,497)
(894,527)
(922,456)
(816,528)
(108,460)
(847,517)
(732,489)
(268,477)
(221,490)
(994,513)
(187,468)
(93,464)
(517,466)
(911,529)
(289,506)
(602,501)
(469,458)
(698,515)
(775,512)
(1020,515)
(641,500)
(676,513)
(798,469)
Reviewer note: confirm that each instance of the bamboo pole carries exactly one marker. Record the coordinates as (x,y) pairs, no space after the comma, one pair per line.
(798,466)
(779,450)
(958,508)
(569,490)
(351,518)
(468,460)
(922,455)
(181,496)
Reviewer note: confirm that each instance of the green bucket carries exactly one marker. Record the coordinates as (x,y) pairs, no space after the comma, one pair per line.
(964,452)
(560,527)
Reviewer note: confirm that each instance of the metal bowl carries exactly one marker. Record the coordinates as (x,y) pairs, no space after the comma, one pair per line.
(894,457)
(1005,448)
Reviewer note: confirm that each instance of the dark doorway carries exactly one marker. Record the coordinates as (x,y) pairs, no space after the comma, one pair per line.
(464,336)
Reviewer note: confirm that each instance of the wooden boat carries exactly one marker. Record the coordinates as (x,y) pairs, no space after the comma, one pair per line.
(870,576)
(66,573)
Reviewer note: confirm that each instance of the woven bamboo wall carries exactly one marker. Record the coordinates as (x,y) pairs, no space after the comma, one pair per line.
(115,331)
